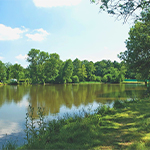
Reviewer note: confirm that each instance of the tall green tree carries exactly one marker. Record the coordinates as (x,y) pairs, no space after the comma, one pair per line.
(8,70)
(17,72)
(67,70)
(137,55)
(99,68)
(42,58)
(2,71)
(90,68)
(82,73)
(77,65)
(52,67)
(33,59)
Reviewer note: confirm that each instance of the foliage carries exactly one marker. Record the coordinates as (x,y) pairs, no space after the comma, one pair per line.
(82,73)
(49,68)
(75,79)
(137,55)
(17,72)
(52,67)
(123,8)
(9,145)
(67,70)
(119,104)
(77,64)
(90,68)
(34,134)
(98,78)
(2,72)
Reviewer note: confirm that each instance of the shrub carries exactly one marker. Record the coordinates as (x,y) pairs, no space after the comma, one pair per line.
(98,78)
(69,80)
(93,78)
(103,110)
(75,79)
(119,104)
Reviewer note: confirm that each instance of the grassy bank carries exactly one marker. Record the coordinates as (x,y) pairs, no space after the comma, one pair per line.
(126,126)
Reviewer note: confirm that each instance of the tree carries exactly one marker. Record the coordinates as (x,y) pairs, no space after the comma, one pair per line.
(99,66)
(52,67)
(137,55)
(33,59)
(67,70)
(41,59)
(17,72)
(123,8)
(2,71)
(90,70)
(8,70)
(37,61)
(75,79)
(77,65)
(82,73)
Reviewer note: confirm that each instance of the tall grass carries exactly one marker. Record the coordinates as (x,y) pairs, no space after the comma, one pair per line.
(9,145)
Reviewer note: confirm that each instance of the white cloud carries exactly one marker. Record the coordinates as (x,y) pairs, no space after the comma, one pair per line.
(8,33)
(1,58)
(39,36)
(22,57)
(55,3)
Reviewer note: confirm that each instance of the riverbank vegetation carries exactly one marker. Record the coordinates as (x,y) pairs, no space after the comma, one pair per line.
(125,126)
(49,68)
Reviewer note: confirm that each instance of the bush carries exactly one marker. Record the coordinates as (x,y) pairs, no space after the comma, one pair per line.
(69,80)
(105,78)
(104,110)
(119,104)
(75,79)
(93,78)
(98,78)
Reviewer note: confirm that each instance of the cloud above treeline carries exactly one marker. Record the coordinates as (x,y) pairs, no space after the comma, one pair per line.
(21,57)
(38,35)
(55,3)
(8,33)
(1,58)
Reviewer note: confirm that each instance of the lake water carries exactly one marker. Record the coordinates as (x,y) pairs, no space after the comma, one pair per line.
(57,100)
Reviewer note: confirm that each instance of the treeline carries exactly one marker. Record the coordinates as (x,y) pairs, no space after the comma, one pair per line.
(49,68)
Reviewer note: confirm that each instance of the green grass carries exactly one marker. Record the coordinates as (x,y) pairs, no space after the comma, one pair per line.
(133,82)
(126,126)
(90,82)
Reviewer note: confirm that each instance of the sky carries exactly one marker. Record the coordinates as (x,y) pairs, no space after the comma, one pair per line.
(71,28)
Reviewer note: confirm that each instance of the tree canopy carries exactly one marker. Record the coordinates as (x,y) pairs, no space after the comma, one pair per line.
(123,9)
(137,55)
(49,68)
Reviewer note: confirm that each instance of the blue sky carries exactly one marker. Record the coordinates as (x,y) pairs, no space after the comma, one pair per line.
(70,28)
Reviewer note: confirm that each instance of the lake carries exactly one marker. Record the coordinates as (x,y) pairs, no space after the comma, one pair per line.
(58,100)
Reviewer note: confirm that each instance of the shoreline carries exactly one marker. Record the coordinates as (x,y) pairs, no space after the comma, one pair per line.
(129,119)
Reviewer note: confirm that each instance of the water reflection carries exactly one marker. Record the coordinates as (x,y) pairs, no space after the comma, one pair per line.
(9,94)
(52,97)
(8,127)
(68,98)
